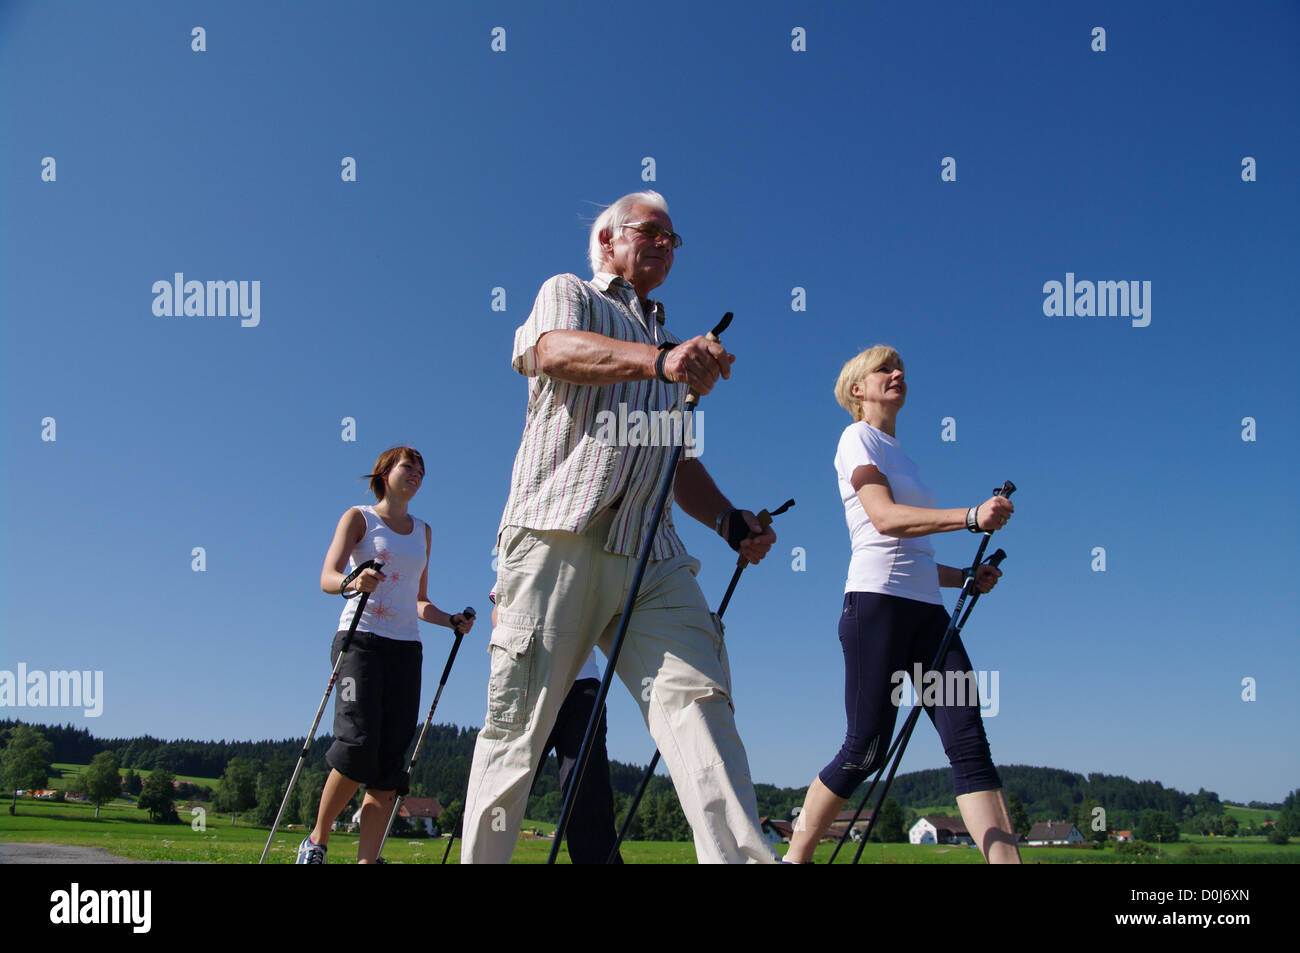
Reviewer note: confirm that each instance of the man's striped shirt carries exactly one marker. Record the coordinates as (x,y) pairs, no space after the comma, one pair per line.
(568,470)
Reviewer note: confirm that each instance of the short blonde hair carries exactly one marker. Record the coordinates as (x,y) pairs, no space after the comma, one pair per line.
(857,370)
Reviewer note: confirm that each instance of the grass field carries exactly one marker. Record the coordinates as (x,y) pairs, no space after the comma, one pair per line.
(125,830)
(70,775)
(1252,815)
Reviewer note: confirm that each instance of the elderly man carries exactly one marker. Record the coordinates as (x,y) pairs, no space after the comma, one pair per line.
(577,518)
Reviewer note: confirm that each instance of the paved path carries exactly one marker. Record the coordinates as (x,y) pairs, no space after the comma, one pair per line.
(63,854)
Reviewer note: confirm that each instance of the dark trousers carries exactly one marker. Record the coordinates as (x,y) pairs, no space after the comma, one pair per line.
(591,831)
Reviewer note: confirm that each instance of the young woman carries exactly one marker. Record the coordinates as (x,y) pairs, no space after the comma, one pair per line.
(893,615)
(375,716)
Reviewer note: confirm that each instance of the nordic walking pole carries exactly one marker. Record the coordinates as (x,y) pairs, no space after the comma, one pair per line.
(460,824)
(376,565)
(764,520)
(468,613)
(954,626)
(588,739)
(636,802)
(906,733)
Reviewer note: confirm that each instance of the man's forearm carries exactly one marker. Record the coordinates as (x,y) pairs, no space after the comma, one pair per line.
(697,494)
(584,357)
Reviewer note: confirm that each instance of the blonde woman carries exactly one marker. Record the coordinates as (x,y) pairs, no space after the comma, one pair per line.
(893,615)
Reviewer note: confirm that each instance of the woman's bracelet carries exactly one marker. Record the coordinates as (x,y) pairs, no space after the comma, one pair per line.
(973,519)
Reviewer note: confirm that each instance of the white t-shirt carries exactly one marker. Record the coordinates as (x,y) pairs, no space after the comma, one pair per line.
(885,564)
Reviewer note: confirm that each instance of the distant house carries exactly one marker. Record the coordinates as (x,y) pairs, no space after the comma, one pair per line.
(426,809)
(1122,836)
(777,832)
(1046,833)
(841,823)
(934,829)
(838,826)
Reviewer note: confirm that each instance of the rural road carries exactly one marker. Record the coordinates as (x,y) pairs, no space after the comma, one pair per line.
(63,854)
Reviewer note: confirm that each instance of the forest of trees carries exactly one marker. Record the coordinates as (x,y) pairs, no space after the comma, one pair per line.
(253,776)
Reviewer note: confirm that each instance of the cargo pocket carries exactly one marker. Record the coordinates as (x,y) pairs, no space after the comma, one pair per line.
(509,687)
(723,660)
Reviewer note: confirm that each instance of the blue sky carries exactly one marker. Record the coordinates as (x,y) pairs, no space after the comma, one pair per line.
(817,169)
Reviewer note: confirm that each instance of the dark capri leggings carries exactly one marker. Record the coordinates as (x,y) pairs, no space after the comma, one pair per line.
(882,635)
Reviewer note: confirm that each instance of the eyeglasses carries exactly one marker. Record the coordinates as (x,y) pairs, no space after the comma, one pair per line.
(652,231)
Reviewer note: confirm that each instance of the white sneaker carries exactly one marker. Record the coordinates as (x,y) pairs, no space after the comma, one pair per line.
(309,853)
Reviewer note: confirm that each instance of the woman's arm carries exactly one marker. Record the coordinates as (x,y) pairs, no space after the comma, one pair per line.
(349,532)
(426,610)
(905,522)
(986,577)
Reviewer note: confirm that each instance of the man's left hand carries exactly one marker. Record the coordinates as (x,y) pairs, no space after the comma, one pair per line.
(759,541)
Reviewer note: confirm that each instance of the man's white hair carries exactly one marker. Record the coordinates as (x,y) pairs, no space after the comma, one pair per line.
(614,216)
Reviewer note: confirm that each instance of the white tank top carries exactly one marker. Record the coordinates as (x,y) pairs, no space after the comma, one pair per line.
(390,610)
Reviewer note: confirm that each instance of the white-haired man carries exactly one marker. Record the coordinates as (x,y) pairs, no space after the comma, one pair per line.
(578,515)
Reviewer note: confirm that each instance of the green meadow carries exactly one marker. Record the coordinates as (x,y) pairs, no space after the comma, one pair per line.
(1250,815)
(70,775)
(125,830)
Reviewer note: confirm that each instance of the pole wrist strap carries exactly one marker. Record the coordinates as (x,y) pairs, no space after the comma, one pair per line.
(659,361)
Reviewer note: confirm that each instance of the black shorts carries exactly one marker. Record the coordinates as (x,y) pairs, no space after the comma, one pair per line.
(376,704)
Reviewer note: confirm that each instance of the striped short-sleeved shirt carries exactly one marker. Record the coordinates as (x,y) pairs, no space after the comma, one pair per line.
(568,469)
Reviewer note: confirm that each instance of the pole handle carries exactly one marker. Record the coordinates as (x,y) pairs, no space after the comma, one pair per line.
(693,398)
(374,564)
(764,520)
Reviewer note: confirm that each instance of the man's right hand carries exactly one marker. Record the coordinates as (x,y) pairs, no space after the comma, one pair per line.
(698,362)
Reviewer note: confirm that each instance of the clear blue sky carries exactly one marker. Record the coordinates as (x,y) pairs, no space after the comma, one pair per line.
(817,169)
